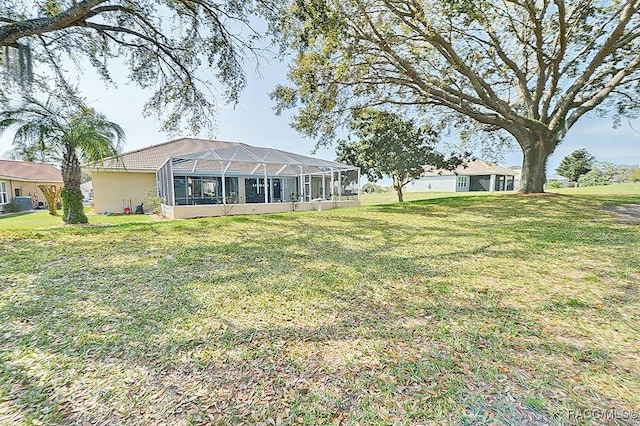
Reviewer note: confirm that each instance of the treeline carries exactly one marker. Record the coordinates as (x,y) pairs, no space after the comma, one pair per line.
(582,169)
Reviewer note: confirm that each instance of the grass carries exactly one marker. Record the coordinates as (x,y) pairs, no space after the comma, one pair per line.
(463,310)
(628,188)
(392,197)
(41,219)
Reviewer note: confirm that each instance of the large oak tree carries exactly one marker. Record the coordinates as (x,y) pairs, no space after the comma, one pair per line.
(177,49)
(525,69)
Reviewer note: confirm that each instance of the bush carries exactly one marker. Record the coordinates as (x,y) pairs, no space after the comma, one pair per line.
(372,188)
(596,177)
(555,184)
(619,173)
(153,201)
(634,176)
(11,208)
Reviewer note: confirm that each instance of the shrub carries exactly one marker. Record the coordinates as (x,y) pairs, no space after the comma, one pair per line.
(619,173)
(555,184)
(371,188)
(153,200)
(596,177)
(11,208)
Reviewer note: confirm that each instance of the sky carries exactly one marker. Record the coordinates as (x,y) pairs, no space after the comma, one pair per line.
(254,122)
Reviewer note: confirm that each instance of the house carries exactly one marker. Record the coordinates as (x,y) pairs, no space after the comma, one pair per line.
(87,190)
(477,175)
(198,177)
(19,182)
(518,171)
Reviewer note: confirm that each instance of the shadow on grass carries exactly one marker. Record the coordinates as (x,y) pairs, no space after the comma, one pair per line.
(329,316)
(13,215)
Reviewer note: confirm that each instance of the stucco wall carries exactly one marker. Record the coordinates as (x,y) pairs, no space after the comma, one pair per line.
(111,188)
(27,189)
(432,184)
(187,212)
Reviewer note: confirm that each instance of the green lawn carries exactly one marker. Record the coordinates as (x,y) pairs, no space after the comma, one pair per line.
(392,197)
(619,189)
(41,219)
(494,309)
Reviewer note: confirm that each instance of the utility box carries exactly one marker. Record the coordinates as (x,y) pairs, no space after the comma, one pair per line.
(23,202)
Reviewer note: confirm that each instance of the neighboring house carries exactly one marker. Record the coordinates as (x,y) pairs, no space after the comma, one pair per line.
(19,182)
(518,171)
(197,177)
(477,175)
(87,190)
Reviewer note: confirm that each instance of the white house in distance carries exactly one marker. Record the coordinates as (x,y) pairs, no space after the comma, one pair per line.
(477,175)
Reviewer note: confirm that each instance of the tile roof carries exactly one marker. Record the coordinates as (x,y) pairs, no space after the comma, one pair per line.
(472,168)
(152,157)
(22,170)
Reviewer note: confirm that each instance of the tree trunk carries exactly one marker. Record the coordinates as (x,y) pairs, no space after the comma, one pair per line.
(52,195)
(72,208)
(534,167)
(400,195)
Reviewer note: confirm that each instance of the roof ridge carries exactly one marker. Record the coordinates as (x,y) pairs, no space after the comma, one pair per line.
(133,151)
(28,162)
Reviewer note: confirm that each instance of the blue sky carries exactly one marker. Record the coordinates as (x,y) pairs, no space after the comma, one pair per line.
(253,121)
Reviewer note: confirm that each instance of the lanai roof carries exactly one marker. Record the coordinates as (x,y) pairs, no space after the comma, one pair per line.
(238,155)
(206,155)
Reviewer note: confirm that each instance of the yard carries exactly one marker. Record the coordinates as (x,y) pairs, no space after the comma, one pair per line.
(458,310)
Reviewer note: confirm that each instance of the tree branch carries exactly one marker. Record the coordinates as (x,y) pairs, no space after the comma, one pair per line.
(10,34)
(629,10)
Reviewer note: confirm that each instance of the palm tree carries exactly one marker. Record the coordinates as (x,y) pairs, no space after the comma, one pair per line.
(69,135)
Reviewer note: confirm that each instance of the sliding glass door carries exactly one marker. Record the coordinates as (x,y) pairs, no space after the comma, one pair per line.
(254,190)
(192,190)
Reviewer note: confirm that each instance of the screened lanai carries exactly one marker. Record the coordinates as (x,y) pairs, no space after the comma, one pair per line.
(243,174)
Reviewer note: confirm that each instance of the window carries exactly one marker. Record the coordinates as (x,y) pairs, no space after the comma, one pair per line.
(210,188)
(254,190)
(192,190)
(4,198)
(463,181)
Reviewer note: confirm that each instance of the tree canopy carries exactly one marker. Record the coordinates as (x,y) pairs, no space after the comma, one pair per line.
(576,164)
(178,49)
(522,69)
(389,145)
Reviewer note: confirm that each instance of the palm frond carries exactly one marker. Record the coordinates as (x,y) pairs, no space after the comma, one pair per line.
(50,131)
